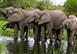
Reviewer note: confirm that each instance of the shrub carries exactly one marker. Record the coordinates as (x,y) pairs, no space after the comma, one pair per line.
(71,6)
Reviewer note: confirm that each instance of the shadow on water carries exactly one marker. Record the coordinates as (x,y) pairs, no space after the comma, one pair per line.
(35,47)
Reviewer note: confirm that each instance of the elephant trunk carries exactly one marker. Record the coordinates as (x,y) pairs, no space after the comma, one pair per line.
(4,26)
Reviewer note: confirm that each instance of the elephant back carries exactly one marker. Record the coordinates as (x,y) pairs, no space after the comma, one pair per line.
(58,18)
(21,14)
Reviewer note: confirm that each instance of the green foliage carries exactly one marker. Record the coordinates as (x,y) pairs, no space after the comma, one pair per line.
(71,6)
(29,4)
(65,34)
(1,47)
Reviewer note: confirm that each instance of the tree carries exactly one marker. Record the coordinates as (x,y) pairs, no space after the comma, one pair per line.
(71,6)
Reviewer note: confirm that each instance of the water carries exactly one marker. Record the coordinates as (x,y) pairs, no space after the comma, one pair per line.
(19,46)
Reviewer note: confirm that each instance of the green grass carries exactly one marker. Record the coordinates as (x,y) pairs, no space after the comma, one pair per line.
(64,34)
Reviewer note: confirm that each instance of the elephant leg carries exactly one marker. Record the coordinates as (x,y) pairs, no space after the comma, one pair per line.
(68,35)
(60,35)
(56,35)
(15,30)
(39,36)
(27,33)
(50,33)
(45,34)
(36,32)
(71,37)
(42,33)
(21,31)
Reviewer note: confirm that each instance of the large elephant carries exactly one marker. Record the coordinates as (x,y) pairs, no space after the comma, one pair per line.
(50,19)
(71,26)
(18,15)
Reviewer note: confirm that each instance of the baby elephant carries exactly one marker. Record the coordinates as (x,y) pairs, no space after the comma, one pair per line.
(71,26)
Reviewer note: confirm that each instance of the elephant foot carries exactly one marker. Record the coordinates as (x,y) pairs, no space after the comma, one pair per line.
(35,39)
(22,38)
(70,44)
(15,37)
(38,39)
(25,36)
(43,40)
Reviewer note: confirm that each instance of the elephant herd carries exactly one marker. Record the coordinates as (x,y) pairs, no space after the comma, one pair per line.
(40,21)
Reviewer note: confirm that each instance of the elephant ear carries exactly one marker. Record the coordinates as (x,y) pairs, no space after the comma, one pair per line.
(45,17)
(16,16)
(73,25)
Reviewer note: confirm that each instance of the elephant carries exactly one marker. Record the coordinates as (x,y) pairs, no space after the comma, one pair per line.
(71,26)
(18,15)
(49,19)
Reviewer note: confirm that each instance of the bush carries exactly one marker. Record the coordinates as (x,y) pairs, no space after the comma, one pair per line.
(71,7)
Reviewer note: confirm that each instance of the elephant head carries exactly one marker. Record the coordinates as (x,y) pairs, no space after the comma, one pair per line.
(70,23)
(40,17)
(72,16)
(12,14)
(6,11)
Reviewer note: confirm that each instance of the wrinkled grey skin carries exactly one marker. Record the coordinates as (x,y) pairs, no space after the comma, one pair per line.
(18,15)
(71,26)
(50,19)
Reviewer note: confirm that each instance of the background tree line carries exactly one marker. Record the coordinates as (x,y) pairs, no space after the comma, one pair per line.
(70,6)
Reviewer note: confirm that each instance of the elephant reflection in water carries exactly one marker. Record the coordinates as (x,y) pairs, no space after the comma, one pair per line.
(54,49)
(39,49)
(58,48)
(25,49)
(43,48)
(19,47)
(36,48)
(50,49)
(75,49)
(70,49)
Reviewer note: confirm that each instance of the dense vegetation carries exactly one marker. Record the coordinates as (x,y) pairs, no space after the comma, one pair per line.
(71,6)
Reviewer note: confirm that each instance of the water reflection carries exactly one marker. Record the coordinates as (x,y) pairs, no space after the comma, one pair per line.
(35,47)
(70,49)
(50,49)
